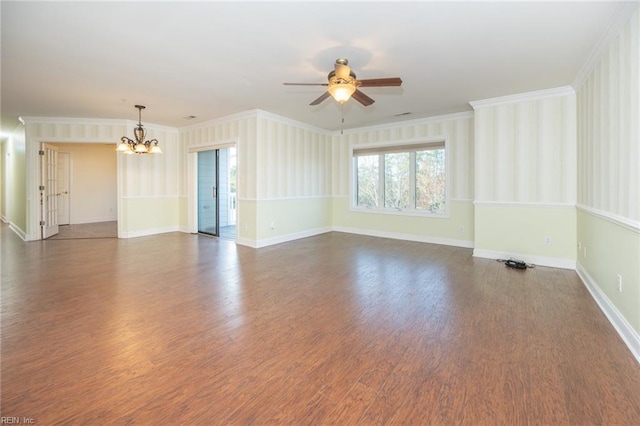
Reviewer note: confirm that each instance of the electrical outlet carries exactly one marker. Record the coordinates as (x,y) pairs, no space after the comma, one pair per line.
(619,279)
(547,241)
(462,229)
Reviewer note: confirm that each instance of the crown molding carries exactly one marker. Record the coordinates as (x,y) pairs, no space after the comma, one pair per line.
(289,121)
(413,122)
(524,97)
(252,113)
(71,120)
(620,17)
(96,122)
(255,113)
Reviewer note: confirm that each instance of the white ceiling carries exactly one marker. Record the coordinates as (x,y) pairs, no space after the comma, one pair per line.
(211,59)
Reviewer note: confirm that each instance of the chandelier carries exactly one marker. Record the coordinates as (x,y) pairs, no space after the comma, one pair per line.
(140,145)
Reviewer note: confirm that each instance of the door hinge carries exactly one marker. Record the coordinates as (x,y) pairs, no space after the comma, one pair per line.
(40,152)
(41,187)
(42,223)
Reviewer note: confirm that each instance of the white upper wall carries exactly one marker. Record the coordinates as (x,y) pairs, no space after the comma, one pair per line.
(277,158)
(525,148)
(608,121)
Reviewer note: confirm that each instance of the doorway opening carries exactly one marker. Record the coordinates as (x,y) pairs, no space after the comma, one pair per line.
(79,194)
(217,192)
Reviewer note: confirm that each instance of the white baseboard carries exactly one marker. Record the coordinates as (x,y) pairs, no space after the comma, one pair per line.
(3,218)
(624,329)
(553,262)
(405,237)
(275,240)
(246,242)
(281,238)
(22,234)
(147,232)
(291,237)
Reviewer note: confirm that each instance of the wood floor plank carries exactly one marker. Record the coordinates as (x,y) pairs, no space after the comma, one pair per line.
(333,329)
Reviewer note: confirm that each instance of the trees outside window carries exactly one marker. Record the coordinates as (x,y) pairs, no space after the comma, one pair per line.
(401,178)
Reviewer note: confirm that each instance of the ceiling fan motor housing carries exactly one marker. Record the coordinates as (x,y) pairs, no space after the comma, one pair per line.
(343,84)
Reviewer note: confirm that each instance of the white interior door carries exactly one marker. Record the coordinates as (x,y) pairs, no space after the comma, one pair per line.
(64,188)
(48,190)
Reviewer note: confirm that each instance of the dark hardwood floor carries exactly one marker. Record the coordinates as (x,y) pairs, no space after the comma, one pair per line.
(87,230)
(334,329)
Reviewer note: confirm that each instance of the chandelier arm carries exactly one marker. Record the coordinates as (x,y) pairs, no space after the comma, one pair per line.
(139,145)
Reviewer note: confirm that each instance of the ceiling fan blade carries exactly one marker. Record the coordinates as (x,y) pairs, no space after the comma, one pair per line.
(306,84)
(381,82)
(321,98)
(362,98)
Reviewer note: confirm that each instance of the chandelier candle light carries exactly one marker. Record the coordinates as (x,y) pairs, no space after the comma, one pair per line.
(140,145)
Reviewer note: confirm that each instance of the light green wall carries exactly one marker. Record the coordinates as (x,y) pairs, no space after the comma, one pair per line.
(520,230)
(247,218)
(612,249)
(144,216)
(183,211)
(457,229)
(292,216)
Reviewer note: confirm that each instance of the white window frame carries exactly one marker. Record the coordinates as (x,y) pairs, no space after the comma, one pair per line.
(391,145)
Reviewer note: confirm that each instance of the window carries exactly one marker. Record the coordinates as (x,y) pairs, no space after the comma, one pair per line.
(408,178)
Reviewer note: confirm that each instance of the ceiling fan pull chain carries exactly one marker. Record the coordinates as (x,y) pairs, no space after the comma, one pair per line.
(342,114)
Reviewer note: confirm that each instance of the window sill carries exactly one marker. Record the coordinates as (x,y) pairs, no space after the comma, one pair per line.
(394,212)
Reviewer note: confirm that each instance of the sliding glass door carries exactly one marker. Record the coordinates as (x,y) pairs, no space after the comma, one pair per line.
(217,192)
(208,192)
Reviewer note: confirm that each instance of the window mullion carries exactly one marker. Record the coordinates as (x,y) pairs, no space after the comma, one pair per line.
(381,172)
(354,181)
(412,180)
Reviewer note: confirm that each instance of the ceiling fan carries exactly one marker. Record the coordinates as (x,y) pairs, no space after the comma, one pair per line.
(344,85)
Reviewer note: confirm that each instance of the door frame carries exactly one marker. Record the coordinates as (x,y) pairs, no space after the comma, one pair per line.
(32,147)
(192,181)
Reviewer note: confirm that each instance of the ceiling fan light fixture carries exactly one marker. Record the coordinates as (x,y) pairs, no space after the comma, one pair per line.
(341,92)
(343,85)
